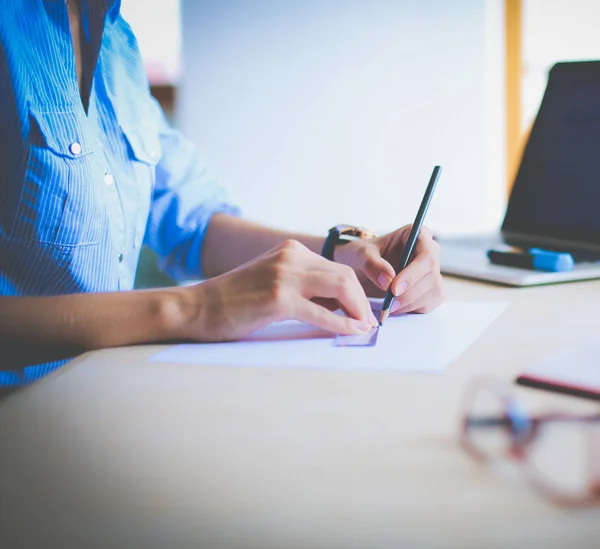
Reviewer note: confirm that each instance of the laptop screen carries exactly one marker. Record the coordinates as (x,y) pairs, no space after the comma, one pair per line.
(557,189)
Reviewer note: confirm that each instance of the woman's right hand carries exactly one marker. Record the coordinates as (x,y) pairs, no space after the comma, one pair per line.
(287,282)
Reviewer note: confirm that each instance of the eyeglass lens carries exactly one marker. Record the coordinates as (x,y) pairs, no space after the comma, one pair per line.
(492,425)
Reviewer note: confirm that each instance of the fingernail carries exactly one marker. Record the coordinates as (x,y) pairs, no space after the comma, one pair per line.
(364,326)
(374,321)
(400,288)
(384,281)
(396,307)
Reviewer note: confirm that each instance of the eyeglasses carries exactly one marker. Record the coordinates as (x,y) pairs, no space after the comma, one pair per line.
(559,454)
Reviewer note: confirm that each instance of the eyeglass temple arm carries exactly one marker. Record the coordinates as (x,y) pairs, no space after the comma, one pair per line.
(594,418)
(487,421)
(497,420)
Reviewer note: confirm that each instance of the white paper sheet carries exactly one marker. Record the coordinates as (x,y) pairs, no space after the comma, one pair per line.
(406,343)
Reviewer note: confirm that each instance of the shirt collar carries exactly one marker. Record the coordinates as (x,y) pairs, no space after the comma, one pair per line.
(111,8)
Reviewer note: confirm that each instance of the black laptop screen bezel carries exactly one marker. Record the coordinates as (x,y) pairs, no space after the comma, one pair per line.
(515,226)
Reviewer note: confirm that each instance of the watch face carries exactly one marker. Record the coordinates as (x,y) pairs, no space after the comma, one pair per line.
(356,232)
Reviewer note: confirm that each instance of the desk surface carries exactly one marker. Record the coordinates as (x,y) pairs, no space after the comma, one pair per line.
(113,451)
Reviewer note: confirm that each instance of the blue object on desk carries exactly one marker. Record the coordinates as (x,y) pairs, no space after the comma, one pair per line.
(533,258)
(552,261)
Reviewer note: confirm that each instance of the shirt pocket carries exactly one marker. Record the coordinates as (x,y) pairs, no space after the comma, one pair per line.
(144,143)
(145,152)
(59,202)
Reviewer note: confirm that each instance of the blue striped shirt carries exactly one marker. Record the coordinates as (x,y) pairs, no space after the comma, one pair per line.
(81,191)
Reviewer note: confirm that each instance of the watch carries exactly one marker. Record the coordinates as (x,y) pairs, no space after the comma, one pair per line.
(342,234)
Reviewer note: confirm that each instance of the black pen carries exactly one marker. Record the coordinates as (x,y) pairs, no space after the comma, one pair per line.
(412,239)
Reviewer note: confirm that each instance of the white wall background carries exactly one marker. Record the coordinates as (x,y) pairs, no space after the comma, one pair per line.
(555,30)
(157,27)
(315,112)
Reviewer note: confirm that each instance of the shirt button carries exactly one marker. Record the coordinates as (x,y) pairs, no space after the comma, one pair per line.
(109,179)
(75,148)
(120,258)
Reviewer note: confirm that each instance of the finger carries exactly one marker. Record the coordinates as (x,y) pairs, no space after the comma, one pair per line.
(343,286)
(425,234)
(425,304)
(318,277)
(329,303)
(425,261)
(292,251)
(408,278)
(412,294)
(311,313)
(378,270)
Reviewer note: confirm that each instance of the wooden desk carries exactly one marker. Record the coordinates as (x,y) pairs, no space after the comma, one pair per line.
(113,451)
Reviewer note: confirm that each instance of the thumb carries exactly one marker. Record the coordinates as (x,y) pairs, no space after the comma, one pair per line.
(377,269)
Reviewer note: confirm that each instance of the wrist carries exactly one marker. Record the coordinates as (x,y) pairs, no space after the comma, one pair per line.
(175,310)
(341,253)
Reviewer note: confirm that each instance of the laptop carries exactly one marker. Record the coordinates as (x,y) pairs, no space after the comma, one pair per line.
(555,200)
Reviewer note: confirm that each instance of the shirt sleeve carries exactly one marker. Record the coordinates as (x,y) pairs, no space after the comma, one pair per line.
(186,196)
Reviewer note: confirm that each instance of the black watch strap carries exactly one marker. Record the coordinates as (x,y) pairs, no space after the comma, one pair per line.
(330,243)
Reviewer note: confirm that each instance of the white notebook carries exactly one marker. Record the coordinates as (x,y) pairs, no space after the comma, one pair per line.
(575,371)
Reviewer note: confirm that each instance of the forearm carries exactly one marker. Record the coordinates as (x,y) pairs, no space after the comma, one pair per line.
(230,242)
(41,329)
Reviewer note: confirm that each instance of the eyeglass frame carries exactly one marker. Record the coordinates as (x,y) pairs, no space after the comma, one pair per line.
(518,445)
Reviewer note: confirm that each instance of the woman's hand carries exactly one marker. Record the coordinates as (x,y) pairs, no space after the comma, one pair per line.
(418,288)
(287,282)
